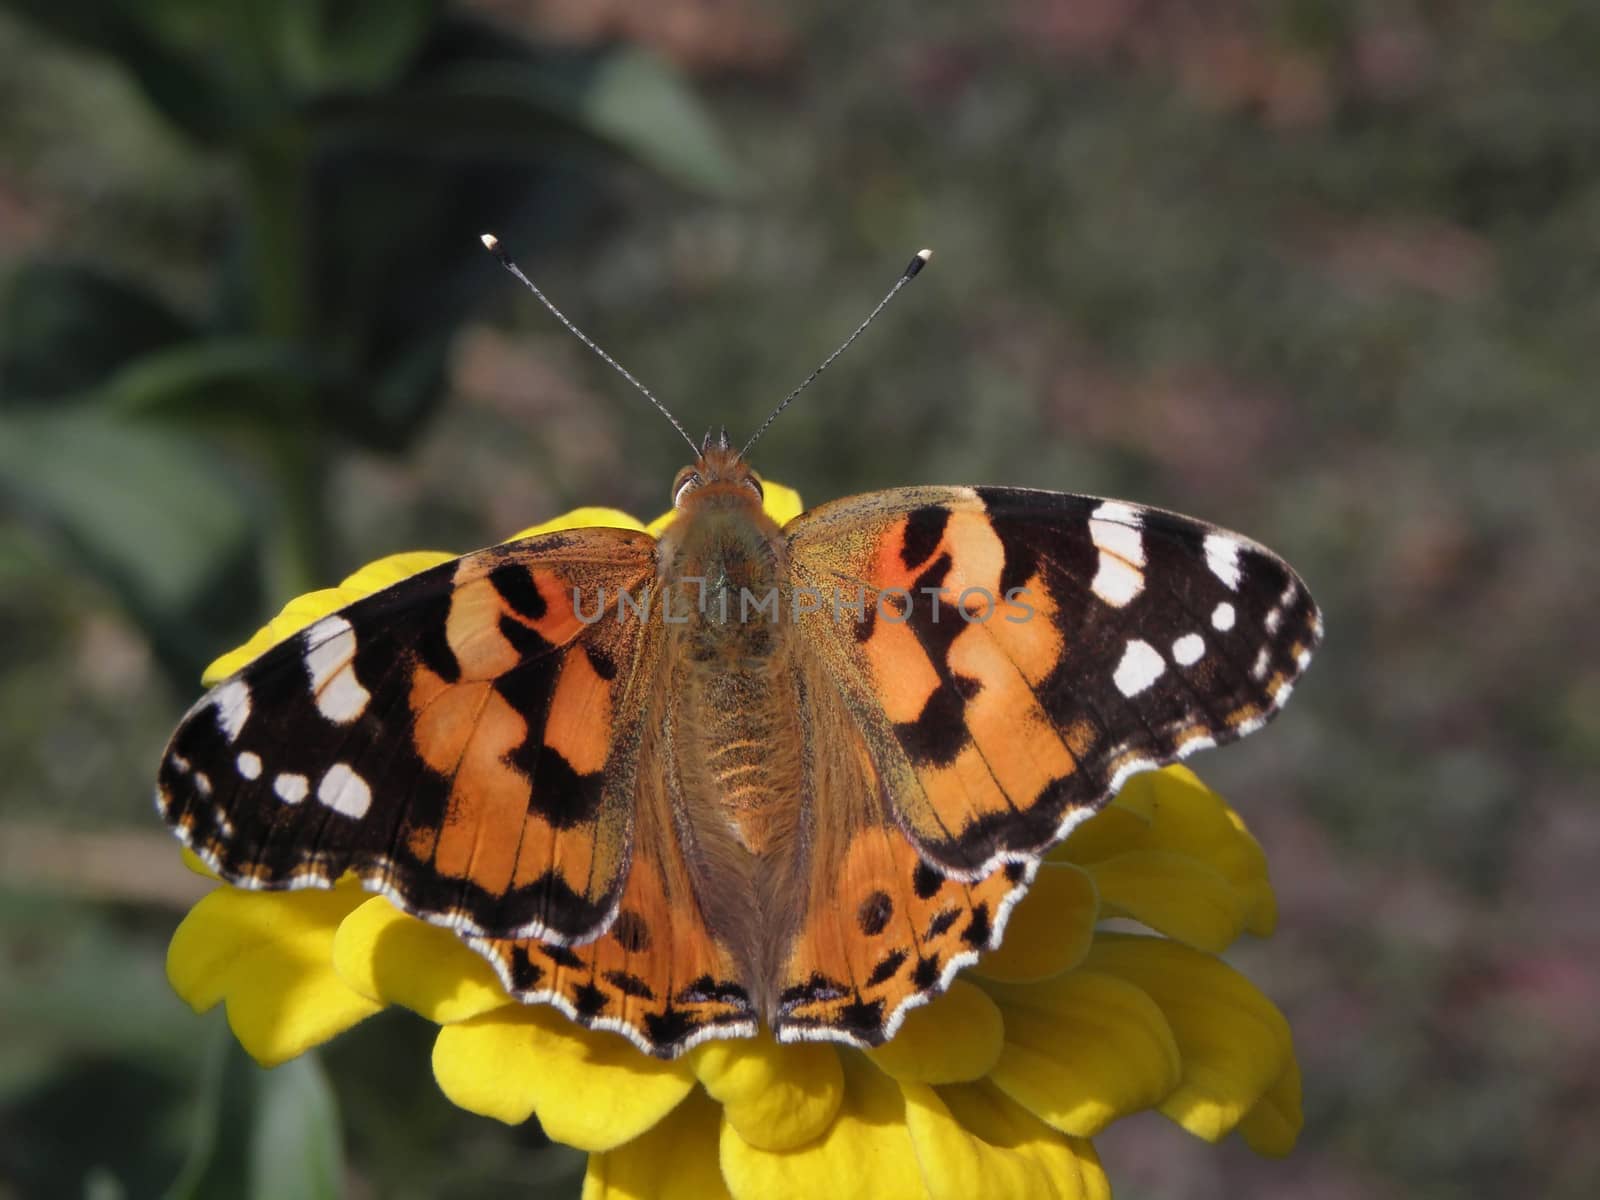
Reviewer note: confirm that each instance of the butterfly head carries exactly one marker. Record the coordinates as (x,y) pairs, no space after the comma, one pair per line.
(720,473)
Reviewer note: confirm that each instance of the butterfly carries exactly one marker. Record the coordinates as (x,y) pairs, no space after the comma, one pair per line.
(740,775)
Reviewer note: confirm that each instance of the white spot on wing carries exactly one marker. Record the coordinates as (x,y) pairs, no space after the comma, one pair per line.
(1222,617)
(1263,660)
(232,702)
(1120,537)
(1274,619)
(1115,582)
(249,765)
(344,791)
(202,783)
(291,788)
(331,646)
(1222,556)
(343,699)
(1189,649)
(1141,666)
(1114,529)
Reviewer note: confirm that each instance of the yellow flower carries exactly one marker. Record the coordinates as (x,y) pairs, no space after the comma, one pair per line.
(994,1089)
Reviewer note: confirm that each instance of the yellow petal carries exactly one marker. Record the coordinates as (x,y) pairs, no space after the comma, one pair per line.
(269,957)
(866,1154)
(674,1160)
(1050,930)
(590,1090)
(313,606)
(971,1140)
(393,958)
(1273,1126)
(389,570)
(1262,917)
(951,1039)
(1115,828)
(196,864)
(1172,811)
(776,1097)
(1084,1049)
(1235,1044)
(1174,894)
(782,503)
(582,518)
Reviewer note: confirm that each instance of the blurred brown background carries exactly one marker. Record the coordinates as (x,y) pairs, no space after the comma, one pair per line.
(1325,272)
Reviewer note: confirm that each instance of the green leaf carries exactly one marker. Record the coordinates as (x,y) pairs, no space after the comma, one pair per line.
(64,328)
(219,380)
(149,512)
(259,1134)
(295,1148)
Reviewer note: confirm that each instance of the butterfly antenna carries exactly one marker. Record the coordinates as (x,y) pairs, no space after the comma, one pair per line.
(492,244)
(906,276)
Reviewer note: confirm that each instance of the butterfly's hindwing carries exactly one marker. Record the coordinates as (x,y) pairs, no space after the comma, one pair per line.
(658,975)
(448,739)
(880,930)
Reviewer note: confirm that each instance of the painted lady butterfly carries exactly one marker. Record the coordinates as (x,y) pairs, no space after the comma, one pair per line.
(740,774)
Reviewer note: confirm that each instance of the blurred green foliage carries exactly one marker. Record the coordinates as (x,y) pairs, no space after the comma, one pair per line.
(1325,272)
(369,142)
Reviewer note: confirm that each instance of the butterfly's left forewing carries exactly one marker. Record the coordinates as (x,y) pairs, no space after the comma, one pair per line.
(1008,658)
(459,740)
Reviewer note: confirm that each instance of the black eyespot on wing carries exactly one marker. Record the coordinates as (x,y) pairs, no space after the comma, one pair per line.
(875,913)
(631,931)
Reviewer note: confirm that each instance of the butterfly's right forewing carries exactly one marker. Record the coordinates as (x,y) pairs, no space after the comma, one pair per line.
(1022,652)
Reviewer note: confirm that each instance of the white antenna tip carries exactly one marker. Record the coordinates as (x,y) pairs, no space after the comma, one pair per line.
(490,242)
(924,254)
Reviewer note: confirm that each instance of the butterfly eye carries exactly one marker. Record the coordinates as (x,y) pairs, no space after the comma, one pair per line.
(688,479)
